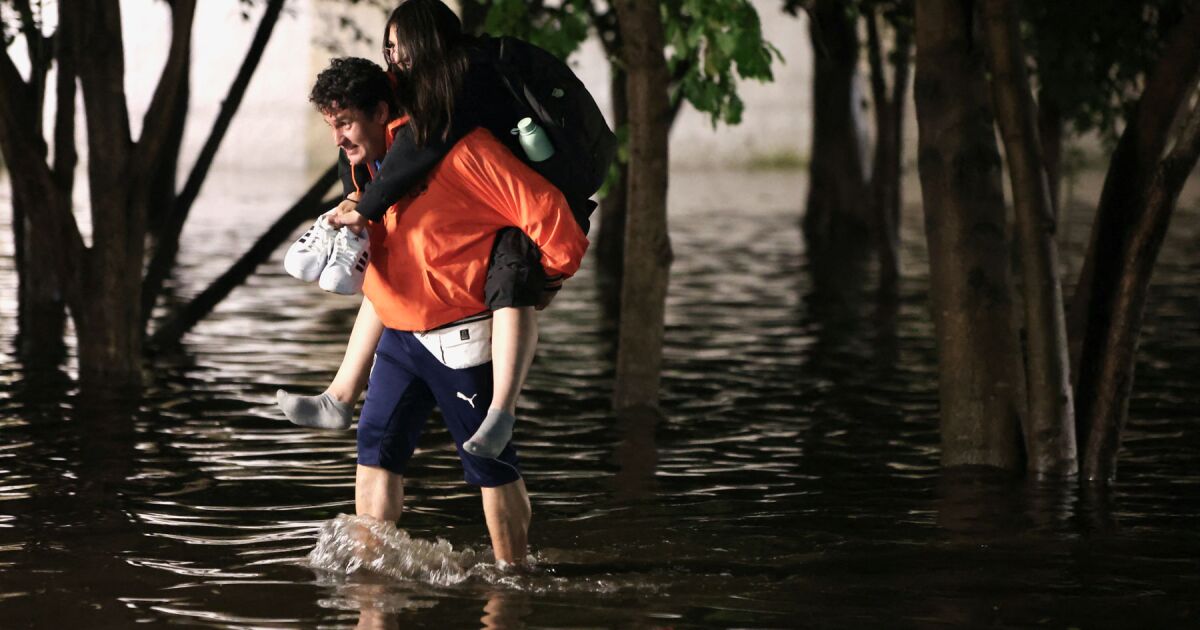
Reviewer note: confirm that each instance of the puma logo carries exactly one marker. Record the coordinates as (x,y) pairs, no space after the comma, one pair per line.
(470,400)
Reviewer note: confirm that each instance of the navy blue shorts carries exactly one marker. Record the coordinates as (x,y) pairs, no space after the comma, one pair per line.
(406,384)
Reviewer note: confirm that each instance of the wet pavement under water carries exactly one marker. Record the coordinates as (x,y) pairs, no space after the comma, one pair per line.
(793,480)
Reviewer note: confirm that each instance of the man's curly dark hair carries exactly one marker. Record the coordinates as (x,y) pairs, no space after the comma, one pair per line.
(351,82)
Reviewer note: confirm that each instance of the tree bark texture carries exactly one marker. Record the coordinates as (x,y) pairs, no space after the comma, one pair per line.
(889,148)
(1049,425)
(980,388)
(838,205)
(1136,203)
(647,244)
(106,315)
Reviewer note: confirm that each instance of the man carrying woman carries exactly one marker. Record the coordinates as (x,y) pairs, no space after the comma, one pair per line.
(448,88)
(429,264)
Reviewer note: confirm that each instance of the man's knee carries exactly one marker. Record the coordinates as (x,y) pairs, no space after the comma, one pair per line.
(511,501)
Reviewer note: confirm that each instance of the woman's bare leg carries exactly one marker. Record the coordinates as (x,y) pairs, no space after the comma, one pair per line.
(352,374)
(514,343)
(334,408)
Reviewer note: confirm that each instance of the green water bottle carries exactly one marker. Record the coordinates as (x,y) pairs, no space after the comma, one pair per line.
(533,139)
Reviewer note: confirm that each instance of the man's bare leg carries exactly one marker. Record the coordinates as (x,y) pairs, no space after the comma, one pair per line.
(378,493)
(514,343)
(334,408)
(506,509)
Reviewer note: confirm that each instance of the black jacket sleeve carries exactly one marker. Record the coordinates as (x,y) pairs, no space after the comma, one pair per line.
(404,166)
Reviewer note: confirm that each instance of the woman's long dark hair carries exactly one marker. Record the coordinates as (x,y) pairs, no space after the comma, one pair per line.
(429,38)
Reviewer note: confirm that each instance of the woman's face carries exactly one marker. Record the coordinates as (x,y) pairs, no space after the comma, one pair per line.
(393,54)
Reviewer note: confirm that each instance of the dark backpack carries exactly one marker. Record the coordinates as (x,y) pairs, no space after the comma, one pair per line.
(546,90)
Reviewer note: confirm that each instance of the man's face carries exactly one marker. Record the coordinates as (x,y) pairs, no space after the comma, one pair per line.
(360,134)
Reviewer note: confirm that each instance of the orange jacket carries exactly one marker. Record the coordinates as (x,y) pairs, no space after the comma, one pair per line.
(430,251)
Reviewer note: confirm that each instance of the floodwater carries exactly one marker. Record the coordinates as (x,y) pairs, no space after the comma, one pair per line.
(793,481)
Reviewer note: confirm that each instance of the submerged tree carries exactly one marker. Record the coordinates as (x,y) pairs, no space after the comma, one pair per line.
(1110,65)
(838,208)
(888,104)
(132,182)
(855,189)
(980,377)
(1145,76)
(1146,173)
(706,46)
(1049,425)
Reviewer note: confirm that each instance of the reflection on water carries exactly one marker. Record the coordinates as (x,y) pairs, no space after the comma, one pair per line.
(792,480)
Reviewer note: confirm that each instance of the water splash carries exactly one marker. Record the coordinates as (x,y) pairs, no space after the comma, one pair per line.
(349,544)
(360,546)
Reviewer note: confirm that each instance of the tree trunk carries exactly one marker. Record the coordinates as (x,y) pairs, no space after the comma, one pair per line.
(107,314)
(889,150)
(41,222)
(979,368)
(610,241)
(1108,382)
(837,206)
(647,244)
(1049,419)
(1111,292)
(1135,202)
(41,312)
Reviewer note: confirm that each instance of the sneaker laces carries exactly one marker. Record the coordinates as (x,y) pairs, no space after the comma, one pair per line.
(319,240)
(343,254)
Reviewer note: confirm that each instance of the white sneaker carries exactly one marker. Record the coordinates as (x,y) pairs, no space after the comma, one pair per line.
(307,257)
(343,273)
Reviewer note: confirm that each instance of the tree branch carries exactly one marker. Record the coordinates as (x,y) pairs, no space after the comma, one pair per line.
(16,93)
(167,246)
(65,156)
(168,94)
(1131,166)
(36,43)
(102,77)
(184,318)
(1167,89)
(875,58)
(24,149)
(229,107)
(1107,383)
